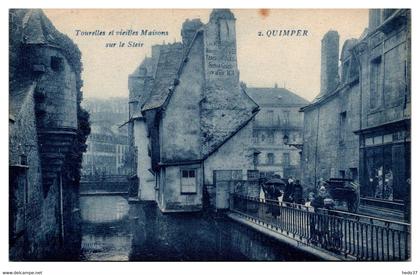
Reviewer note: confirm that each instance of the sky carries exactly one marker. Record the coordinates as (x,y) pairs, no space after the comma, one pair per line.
(291,62)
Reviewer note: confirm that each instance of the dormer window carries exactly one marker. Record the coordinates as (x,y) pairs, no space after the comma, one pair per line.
(56,63)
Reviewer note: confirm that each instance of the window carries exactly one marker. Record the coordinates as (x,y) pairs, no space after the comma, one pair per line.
(286,159)
(375,83)
(270,137)
(345,70)
(343,125)
(256,159)
(188,181)
(270,117)
(226,175)
(253,174)
(270,158)
(342,174)
(254,137)
(395,82)
(56,63)
(354,70)
(286,115)
(354,174)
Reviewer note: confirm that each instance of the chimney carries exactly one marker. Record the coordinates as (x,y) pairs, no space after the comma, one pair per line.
(374,18)
(329,62)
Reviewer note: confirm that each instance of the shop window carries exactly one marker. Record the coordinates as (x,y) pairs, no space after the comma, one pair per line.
(379,172)
(188,181)
(387,138)
(377,140)
(369,141)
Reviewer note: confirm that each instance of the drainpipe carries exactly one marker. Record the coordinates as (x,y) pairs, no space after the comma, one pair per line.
(361,152)
(316,150)
(61,207)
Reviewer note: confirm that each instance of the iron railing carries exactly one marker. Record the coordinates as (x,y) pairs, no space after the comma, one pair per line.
(352,236)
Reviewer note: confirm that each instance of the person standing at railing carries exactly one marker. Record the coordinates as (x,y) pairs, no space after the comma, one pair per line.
(318,223)
(311,216)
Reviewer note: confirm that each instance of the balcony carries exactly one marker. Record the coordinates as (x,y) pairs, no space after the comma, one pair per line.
(258,125)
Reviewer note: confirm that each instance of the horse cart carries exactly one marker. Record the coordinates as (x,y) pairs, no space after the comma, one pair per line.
(344,190)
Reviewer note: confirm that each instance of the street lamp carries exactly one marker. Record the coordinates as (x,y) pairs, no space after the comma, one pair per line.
(286,139)
(296,145)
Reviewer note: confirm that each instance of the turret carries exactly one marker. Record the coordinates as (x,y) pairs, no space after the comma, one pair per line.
(220,48)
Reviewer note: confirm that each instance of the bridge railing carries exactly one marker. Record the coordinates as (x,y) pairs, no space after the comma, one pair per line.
(104,184)
(355,236)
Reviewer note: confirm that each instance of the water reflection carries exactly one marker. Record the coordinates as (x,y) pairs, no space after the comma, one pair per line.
(114,230)
(103,209)
(106,234)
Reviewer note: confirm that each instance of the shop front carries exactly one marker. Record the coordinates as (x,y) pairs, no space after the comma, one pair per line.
(385,163)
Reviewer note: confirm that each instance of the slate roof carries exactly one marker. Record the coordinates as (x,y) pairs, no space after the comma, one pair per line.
(38,29)
(223,114)
(143,96)
(275,96)
(168,65)
(146,64)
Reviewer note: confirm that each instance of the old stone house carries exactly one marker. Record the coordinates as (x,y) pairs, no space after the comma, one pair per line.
(279,116)
(47,130)
(191,118)
(359,125)
(330,146)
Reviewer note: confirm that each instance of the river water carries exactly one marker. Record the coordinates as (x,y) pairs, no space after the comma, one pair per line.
(115,230)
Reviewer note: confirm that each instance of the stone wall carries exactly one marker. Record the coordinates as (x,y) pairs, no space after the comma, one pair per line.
(146,179)
(23,140)
(235,154)
(56,86)
(330,144)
